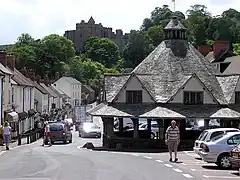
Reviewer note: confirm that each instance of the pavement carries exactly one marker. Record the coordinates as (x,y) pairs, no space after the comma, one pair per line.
(70,161)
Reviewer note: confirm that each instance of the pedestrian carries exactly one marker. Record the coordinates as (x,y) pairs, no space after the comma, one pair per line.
(47,134)
(7,135)
(172,139)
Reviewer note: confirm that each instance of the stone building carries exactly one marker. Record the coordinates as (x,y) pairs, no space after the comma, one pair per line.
(84,30)
(174,81)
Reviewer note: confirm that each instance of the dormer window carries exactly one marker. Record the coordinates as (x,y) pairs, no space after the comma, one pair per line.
(237,97)
(193,97)
(133,97)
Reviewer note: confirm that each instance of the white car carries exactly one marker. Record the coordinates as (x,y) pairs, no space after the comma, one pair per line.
(154,128)
(218,149)
(208,134)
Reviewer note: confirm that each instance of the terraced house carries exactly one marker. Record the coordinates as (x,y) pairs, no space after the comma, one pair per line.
(174,81)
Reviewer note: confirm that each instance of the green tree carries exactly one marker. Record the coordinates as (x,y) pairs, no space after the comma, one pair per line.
(102,50)
(137,49)
(155,34)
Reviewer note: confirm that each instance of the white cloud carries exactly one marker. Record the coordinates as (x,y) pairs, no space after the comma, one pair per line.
(42,17)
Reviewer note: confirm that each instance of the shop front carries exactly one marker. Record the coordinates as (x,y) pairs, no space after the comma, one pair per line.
(23,122)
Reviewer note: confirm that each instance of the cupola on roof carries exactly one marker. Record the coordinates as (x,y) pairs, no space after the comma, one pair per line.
(175,30)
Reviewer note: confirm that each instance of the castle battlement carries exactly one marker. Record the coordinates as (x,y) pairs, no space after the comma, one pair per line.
(84,30)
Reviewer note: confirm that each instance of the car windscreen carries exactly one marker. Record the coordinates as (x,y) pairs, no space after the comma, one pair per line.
(56,127)
(90,126)
(203,136)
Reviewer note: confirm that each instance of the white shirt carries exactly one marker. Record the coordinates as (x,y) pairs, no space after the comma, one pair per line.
(7,130)
(47,128)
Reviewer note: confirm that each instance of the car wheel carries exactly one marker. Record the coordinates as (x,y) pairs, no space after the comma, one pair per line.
(52,142)
(70,141)
(152,135)
(65,141)
(223,161)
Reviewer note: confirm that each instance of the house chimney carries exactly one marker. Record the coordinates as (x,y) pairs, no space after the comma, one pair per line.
(38,79)
(57,76)
(24,71)
(32,75)
(11,61)
(3,58)
(204,49)
(220,46)
(46,78)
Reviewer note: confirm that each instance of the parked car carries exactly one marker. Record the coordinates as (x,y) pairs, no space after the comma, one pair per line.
(154,128)
(89,129)
(209,134)
(235,157)
(218,149)
(60,132)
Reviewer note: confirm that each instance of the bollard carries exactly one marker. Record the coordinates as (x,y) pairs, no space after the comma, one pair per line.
(28,139)
(19,139)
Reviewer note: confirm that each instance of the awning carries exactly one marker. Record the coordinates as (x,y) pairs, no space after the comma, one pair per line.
(12,116)
(32,112)
(162,112)
(225,113)
(23,115)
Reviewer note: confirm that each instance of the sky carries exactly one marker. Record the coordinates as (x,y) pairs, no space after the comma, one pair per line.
(43,17)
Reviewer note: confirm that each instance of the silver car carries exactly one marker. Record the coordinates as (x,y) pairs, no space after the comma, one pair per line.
(209,134)
(89,129)
(218,149)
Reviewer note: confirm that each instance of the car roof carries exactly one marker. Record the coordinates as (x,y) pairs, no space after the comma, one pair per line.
(221,129)
(229,134)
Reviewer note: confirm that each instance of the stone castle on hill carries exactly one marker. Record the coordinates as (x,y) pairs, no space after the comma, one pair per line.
(84,30)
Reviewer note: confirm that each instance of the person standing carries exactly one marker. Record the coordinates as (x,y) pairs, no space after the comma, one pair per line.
(7,135)
(172,139)
(47,134)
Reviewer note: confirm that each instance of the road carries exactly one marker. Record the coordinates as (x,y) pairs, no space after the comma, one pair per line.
(70,161)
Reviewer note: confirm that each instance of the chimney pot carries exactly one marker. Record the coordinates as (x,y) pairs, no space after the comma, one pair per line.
(3,58)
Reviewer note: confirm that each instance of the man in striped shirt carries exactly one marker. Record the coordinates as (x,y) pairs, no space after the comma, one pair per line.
(172,139)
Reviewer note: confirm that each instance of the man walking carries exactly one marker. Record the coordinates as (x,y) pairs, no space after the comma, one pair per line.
(46,135)
(172,139)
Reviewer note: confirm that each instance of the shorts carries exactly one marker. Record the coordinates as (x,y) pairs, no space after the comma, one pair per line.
(172,145)
(47,134)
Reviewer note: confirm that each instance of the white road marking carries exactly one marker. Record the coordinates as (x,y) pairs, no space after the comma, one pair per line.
(221,177)
(168,165)
(135,154)
(211,170)
(2,152)
(147,157)
(177,170)
(160,161)
(183,164)
(187,176)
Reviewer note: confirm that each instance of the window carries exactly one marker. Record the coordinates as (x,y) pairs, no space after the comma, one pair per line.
(154,125)
(215,134)
(193,97)
(9,96)
(237,97)
(134,97)
(13,94)
(21,95)
(234,140)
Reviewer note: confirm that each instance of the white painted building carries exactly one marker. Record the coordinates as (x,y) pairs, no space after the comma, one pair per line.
(41,97)
(71,87)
